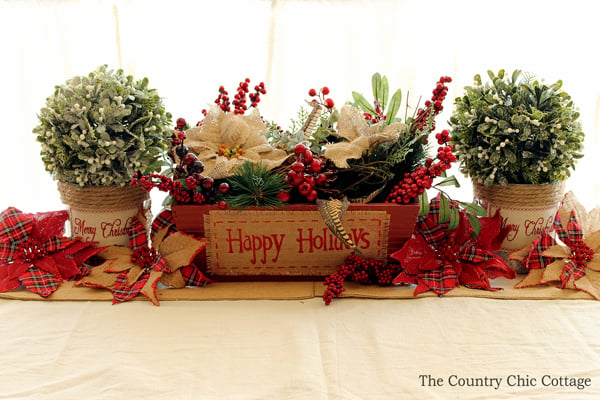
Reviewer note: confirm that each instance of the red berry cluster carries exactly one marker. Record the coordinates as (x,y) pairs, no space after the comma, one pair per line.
(361,270)
(433,106)
(188,184)
(144,256)
(320,97)
(178,135)
(239,100)
(581,253)
(188,162)
(305,174)
(415,183)
(379,116)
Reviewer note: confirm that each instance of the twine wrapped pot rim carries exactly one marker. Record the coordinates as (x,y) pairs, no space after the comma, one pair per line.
(521,195)
(102,197)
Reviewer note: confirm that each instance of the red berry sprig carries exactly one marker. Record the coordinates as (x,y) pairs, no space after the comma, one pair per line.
(379,115)
(433,106)
(361,270)
(320,98)
(306,173)
(241,97)
(223,99)
(415,183)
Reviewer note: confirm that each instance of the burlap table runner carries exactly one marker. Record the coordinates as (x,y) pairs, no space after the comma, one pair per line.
(305,290)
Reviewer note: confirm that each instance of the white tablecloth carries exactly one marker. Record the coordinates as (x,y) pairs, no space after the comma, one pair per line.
(429,348)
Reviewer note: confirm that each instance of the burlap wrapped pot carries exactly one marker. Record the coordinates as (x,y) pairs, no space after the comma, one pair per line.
(103,214)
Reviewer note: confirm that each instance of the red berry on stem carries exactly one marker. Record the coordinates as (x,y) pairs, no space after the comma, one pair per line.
(312,195)
(310,180)
(189,159)
(294,178)
(224,187)
(298,166)
(315,166)
(325,90)
(284,196)
(299,149)
(304,188)
(208,182)
(312,92)
(308,157)
(321,180)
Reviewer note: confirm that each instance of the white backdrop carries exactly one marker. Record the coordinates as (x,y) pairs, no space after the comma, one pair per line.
(188,49)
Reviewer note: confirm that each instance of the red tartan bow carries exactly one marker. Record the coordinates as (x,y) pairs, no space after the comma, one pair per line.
(34,253)
(439,259)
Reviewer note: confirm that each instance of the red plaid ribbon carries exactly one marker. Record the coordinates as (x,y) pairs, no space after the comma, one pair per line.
(441,280)
(40,282)
(137,235)
(15,228)
(574,229)
(162,220)
(124,292)
(193,276)
(535,259)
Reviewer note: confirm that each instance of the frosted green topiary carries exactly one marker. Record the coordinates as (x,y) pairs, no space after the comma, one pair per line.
(516,131)
(100,129)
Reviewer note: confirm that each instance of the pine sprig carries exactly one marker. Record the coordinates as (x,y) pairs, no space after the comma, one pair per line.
(253,185)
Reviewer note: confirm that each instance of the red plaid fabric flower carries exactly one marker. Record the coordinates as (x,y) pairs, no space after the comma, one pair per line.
(569,254)
(439,259)
(35,254)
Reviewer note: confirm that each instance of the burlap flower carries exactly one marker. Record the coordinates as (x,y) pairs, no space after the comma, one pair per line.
(360,136)
(569,254)
(226,140)
(129,271)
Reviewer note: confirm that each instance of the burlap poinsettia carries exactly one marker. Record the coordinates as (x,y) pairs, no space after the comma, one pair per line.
(359,136)
(568,255)
(439,259)
(227,140)
(129,271)
(35,253)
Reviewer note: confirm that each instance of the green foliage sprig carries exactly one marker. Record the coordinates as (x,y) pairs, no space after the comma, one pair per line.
(253,185)
(516,130)
(100,129)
